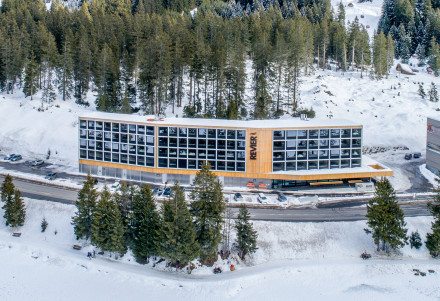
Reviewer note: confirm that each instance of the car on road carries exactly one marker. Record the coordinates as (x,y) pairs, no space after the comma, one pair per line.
(408,156)
(262,198)
(37,162)
(51,176)
(417,155)
(9,157)
(16,158)
(157,191)
(281,197)
(167,192)
(238,197)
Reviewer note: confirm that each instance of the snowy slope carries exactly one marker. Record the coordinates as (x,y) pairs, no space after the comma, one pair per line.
(308,261)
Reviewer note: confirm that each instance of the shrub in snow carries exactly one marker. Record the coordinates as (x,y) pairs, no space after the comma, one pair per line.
(415,241)
(44,225)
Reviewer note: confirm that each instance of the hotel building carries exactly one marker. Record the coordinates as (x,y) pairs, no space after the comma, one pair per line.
(272,153)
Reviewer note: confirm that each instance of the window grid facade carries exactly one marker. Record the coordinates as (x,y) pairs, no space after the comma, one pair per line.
(116,142)
(316,149)
(188,148)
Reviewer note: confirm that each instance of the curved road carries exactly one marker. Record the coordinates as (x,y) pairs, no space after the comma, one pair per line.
(48,192)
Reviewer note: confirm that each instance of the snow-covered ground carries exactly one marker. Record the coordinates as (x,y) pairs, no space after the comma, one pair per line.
(301,261)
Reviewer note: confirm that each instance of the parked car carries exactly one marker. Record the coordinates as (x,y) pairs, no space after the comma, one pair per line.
(157,191)
(9,157)
(51,176)
(281,197)
(167,192)
(16,158)
(408,156)
(417,155)
(37,162)
(238,197)
(262,198)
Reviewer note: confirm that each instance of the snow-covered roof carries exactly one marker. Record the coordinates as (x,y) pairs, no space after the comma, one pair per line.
(268,123)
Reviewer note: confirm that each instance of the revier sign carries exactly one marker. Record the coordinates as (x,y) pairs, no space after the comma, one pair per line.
(253,146)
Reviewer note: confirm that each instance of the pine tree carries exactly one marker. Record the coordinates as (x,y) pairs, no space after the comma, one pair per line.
(207,209)
(178,236)
(65,68)
(107,226)
(380,55)
(386,219)
(415,241)
(433,239)
(433,93)
(15,211)
(85,204)
(434,56)
(44,224)
(421,91)
(145,226)
(31,76)
(7,189)
(246,241)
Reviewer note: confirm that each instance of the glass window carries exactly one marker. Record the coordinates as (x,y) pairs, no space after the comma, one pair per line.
(192,132)
(107,157)
(149,161)
(313,144)
(141,129)
(313,155)
(83,143)
(132,128)
(99,145)
(107,146)
(278,156)
(172,152)
(212,164)
(192,143)
(241,134)
(91,155)
(182,163)
(212,133)
(302,134)
(221,165)
(346,133)
(141,161)
(241,156)
(291,134)
(301,165)
(201,143)
(192,153)
(221,134)
(132,138)
(91,124)
(183,132)
(83,124)
(98,135)
(345,142)
(345,163)
(107,127)
(172,132)
(231,134)
(124,138)
(356,143)
(278,166)
(313,133)
(124,158)
(355,153)
(201,154)
(163,162)
(98,125)
(115,157)
(172,142)
(291,155)
(150,140)
(99,156)
(192,164)
(107,136)
(115,137)
(183,142)
(278,145)
(302,144)
(115,127)
(323,133)
(345,153)
(172,163)
(323,154)
(150,130)
(91,134)
(150,151)
(323,143)
(221,155)
(290,165)
(356,132)
(124,148)
(132,149)
(202,132)
(301,155)
(141,139)
(323,164)
(313,164)
(163,152)
(356,163)
(291,144)
(124,127)
(211,144)
(231,144)
(230,155)
(241,166)
(334,153)
(278,135)
(336,133)
(115,147)
(221,144)
(334,143)
(230,166)
(211,154)
(163,131)
(163,141)
(83,134)
(141,150)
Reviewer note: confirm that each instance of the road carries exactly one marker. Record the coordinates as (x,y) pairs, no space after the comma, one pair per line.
(60,194)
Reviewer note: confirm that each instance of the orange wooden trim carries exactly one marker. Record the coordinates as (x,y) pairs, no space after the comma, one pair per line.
(254,175)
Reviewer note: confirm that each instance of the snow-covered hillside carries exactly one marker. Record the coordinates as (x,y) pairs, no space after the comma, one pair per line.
(301,261)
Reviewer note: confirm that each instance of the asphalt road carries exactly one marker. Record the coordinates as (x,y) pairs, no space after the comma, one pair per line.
(60,194)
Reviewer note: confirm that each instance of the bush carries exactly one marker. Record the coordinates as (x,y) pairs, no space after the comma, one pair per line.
(44,224)
(415,241)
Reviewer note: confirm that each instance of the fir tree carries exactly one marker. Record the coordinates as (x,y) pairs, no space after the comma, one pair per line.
(421,91)
(178,236)
(433,238)
(15,211)
(31,77)
(8,189)
(85,204)
(207,208)
(415,241)
(145,226)
(107,226)
(386,219)
(246,241)
(433,93)
(434,56)
(44,225)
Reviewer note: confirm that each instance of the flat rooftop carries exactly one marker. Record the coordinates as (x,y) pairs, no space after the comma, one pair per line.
(222,123)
